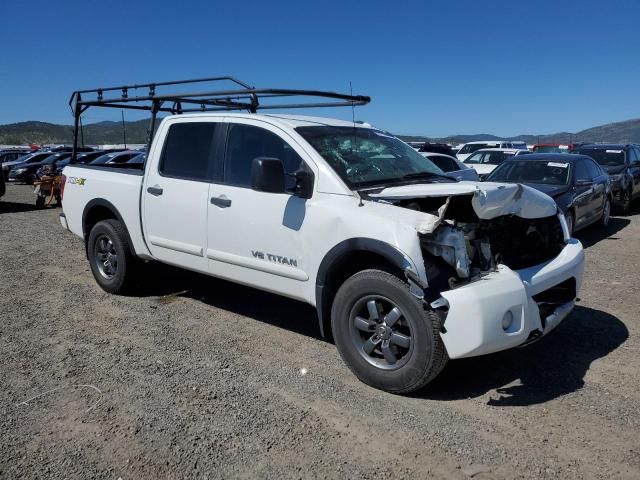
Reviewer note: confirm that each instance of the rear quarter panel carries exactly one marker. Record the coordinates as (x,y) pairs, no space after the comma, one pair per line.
(85,184)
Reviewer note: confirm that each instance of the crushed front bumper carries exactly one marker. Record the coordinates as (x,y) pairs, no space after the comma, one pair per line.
(507,308)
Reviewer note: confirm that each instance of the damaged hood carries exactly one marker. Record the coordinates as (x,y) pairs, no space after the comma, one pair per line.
(489,200)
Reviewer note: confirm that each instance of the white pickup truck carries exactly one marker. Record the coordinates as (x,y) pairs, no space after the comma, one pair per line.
(406,267)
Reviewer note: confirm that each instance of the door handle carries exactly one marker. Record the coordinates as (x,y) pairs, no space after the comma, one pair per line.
(221,202)
(156,191)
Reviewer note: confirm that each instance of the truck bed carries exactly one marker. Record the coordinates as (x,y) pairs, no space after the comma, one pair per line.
(90,185)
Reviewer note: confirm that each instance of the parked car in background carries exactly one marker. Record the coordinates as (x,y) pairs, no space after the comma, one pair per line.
(27,172)
(485,160)
(520,145)
(580,187)
(29,158)
(137,161)
(433,147)
(115,157)
(452,166)
(69,148)
(12,154)
(471,147)
(622,163)
(550,148)
(88,157)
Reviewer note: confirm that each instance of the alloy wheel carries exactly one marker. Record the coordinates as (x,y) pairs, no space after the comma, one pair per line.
(106,257)
(380,332)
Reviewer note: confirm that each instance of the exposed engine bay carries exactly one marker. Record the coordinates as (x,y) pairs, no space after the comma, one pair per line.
(473,246)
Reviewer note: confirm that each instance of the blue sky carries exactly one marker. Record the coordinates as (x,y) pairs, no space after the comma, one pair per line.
(433,68)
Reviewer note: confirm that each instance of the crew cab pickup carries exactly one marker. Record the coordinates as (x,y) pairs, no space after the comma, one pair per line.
(406,267)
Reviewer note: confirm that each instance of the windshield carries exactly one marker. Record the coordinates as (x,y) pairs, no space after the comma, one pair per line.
(606,158)
(489,158)
(367,157)
(532,171)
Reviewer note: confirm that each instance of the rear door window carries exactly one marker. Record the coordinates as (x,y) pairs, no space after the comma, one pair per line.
(582,172)
(188,150)
(593,168)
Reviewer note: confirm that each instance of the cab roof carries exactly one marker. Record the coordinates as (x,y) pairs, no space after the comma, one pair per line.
(292,121)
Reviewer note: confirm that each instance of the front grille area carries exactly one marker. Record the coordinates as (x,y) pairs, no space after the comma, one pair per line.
(520,242)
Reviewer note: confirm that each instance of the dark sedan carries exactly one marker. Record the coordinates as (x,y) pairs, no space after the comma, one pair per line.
(622,163)
(114,158)
(28,158)
(580,187)
(26,172)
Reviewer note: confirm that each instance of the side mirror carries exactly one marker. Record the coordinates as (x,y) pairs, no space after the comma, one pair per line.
(267,175)
(304,184)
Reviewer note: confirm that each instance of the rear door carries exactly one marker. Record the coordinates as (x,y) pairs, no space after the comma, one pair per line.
(176,189)
(599,179)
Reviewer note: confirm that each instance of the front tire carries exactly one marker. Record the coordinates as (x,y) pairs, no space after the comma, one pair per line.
(606,213)
(384,334)
(625,207)
(112,262)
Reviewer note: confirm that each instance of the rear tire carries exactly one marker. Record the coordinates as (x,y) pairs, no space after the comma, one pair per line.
(384,334)
(111,258)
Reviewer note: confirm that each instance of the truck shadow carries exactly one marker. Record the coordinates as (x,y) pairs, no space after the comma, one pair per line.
(548,369)
(167,283)
(594,234)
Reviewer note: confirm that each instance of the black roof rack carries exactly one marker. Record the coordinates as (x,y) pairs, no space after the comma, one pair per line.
(240,97)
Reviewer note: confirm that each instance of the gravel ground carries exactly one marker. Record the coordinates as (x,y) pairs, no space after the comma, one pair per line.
(200,378)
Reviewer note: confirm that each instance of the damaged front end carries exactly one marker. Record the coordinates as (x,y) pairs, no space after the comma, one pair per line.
(500,267)
(482,226)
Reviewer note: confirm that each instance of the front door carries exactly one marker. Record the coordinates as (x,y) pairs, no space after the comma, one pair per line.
(255,238)
(176,193)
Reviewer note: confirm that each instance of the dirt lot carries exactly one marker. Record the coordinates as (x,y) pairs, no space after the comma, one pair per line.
(197,377)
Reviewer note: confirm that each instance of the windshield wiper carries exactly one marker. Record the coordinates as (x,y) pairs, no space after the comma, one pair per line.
(410,176)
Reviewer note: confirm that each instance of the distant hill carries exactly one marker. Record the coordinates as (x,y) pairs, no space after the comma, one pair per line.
(619,132)
(94,134)
(111,132)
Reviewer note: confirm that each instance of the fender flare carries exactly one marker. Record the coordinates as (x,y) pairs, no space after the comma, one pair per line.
(101,202)
(386,250)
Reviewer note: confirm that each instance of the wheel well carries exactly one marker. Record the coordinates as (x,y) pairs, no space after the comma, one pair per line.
(94,215)
(340,270)
(98,210)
